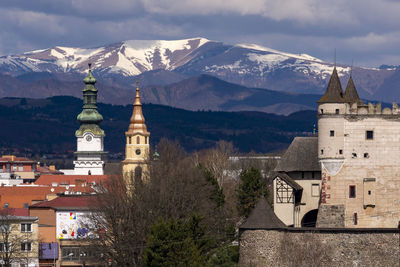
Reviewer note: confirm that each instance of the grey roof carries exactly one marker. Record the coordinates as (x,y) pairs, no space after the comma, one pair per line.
(262,217)
(18,218)
(289,180)
(334,92)
(302,155)
(351,95)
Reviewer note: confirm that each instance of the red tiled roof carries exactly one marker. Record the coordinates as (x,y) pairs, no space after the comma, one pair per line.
(18,196)
(66,202)
(15,211)
(69,179)
(45,170)
(14,158)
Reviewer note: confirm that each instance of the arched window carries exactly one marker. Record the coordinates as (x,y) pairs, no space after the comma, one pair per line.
(138,140)
(138,174)
(129,140)
(145,140)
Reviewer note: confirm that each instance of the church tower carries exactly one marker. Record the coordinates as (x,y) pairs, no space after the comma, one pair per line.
(89,157)
(137,144)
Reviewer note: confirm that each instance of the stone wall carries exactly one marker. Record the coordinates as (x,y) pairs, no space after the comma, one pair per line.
(331,216)
(319,247)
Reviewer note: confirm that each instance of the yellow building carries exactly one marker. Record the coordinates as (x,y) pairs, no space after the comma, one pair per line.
(134,166)
(19,240)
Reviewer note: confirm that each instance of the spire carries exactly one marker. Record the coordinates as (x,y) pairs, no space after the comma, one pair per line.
(137,122)
(89,118)
(351,95)
(334,93)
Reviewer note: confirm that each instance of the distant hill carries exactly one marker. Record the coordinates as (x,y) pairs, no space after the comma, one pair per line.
(48,126)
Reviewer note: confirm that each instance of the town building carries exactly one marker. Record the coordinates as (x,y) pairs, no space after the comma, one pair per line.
(17,170)
(19,241)
(90,155)
(137,150)
(296,186)
(63,221)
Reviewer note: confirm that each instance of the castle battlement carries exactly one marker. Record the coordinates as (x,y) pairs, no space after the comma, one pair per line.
(370,109)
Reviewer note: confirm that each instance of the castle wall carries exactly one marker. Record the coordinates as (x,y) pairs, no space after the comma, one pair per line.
(370,165)
(311,247)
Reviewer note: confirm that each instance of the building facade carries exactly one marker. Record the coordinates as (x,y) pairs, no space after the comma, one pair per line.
(296,186)
(358,148)
(137,147)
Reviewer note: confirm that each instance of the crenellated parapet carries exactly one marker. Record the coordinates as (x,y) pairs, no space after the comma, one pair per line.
(370,109)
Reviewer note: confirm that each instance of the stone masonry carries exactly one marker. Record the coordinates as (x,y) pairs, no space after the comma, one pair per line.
(319,247)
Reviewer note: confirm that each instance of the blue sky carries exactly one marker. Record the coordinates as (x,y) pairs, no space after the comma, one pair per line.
(365,31)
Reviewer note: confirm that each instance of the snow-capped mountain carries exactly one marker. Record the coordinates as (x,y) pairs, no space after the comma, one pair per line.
(158,62)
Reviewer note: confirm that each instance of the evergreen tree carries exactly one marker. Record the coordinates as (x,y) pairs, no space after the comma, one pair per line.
(177,243)
(250,190)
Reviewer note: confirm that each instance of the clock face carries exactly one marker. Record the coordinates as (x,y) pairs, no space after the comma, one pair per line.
(138,151)
(89,138)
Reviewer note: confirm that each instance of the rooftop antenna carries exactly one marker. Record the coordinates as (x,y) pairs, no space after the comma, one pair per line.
(351,68)
(335,57)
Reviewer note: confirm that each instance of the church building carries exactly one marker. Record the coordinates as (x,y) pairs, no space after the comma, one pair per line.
(89,156)
(137,149)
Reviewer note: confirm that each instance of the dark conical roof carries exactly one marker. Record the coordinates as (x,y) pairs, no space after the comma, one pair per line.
(334,93)
(262,217)
(351,95)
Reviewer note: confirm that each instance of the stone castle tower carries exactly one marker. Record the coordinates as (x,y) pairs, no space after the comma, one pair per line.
(89,157)
(358,148)
(137,144)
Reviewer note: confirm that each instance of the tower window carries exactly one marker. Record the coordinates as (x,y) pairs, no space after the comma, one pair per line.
(366,155)
(354,155)
(322,151)
(145,140)
(352,191)
(129,140)
(369,135)
(138,140)
(340,151)
(332,133)
(337,111)
(322,111)
(355,221)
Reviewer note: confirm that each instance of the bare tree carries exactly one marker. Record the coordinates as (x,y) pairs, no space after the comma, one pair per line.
(175,189)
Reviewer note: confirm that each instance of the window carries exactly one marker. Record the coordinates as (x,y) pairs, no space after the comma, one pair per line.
(355,221)
(21,167)
(366,155)
(5,247)
(340,151)
(145,139)
(5,205)
(354,155)
(26,227)
(315,190)
(14,167)
(322,111)
(302,175)
(312,175)
(26,246)
(337,111)
(352,191)
(369,135)
(138,140)
(332,133)
(129,140)
(26,205)
(1,168)
(322,151)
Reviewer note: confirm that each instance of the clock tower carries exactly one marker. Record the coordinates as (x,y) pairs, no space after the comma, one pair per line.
(89,157)
(134,167)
